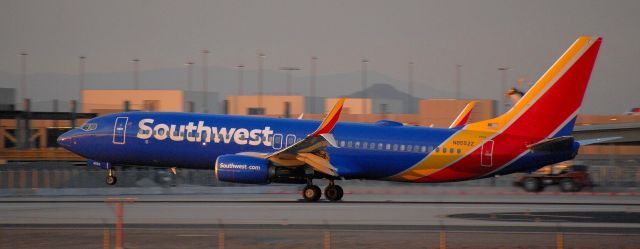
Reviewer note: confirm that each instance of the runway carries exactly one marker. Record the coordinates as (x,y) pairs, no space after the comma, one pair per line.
(278,220)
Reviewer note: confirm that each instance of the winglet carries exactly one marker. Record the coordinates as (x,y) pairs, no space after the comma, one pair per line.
(330,120)
(463,117)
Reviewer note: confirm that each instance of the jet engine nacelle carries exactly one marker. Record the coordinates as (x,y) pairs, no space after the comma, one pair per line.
(242,169)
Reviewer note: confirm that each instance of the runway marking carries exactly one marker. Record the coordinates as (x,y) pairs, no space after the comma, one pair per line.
(555,216)
(513,219)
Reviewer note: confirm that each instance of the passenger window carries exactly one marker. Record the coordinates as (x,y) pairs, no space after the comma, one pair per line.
(444,149)
(395,147)
(458,151)
(430,149)
(402,147)
(357,145)
(160,132)
(416,148)
(380,146)
(451,150)
(342,143)
(349,144)
(409,148)
(424,148)
(388,146)
(437,149)
(365,145)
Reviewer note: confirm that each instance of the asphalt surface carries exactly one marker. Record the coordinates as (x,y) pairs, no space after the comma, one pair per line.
(361,221)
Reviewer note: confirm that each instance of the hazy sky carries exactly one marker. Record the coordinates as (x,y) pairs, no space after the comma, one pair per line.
(527,36)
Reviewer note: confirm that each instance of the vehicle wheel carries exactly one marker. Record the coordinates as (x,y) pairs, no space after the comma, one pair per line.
(340,192)
(111,180)
(568,185)
(311,193)
(333,192)
(532,185)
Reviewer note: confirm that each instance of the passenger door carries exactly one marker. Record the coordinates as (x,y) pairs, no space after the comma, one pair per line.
(120,130)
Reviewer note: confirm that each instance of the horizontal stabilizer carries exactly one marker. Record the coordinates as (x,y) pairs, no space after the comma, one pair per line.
(596,140)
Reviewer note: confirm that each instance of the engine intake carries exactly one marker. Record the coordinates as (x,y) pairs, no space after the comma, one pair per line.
(242,169)
(253,170)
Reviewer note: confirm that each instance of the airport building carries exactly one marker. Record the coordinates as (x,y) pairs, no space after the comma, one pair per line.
(109,101)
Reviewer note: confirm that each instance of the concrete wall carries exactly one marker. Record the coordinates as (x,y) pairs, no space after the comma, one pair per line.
(213,103)
(273,104)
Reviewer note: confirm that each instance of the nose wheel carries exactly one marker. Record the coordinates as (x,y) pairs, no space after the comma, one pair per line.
(111,178)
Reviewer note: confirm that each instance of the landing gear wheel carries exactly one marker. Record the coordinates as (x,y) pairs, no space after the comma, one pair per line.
(111,180)
(333,192)
(311,193)
(532,185)
(568,185)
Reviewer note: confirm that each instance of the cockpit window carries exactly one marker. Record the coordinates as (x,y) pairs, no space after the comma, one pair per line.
(89,126)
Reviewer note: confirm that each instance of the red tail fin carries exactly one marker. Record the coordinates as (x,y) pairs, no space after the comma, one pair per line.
(553,101)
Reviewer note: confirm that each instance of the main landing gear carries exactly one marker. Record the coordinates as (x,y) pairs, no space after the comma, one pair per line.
(332,192)
(111,178)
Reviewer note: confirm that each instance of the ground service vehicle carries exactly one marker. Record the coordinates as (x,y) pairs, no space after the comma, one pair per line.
(570,178)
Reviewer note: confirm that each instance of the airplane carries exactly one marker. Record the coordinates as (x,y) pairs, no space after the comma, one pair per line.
(535,132)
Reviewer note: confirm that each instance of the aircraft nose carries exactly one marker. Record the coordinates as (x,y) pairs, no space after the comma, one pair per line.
(64,140)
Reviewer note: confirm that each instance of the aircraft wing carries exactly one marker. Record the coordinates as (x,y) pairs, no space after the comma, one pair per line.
(463,117)
(311,149)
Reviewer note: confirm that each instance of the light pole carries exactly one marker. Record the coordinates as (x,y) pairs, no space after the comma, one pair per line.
(288,70)
(458,80)
(261,57)
(136,76)
(189,65)
(410,86)
(240,79)
(81,78)
(23,76)
(240,87)
(503,86)
(312,86)
(364,85)
(205,78)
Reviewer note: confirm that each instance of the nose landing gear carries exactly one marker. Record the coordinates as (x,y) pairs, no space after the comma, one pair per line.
(111,178)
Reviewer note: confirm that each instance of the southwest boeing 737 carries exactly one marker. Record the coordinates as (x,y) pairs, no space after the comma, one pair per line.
(535,132)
